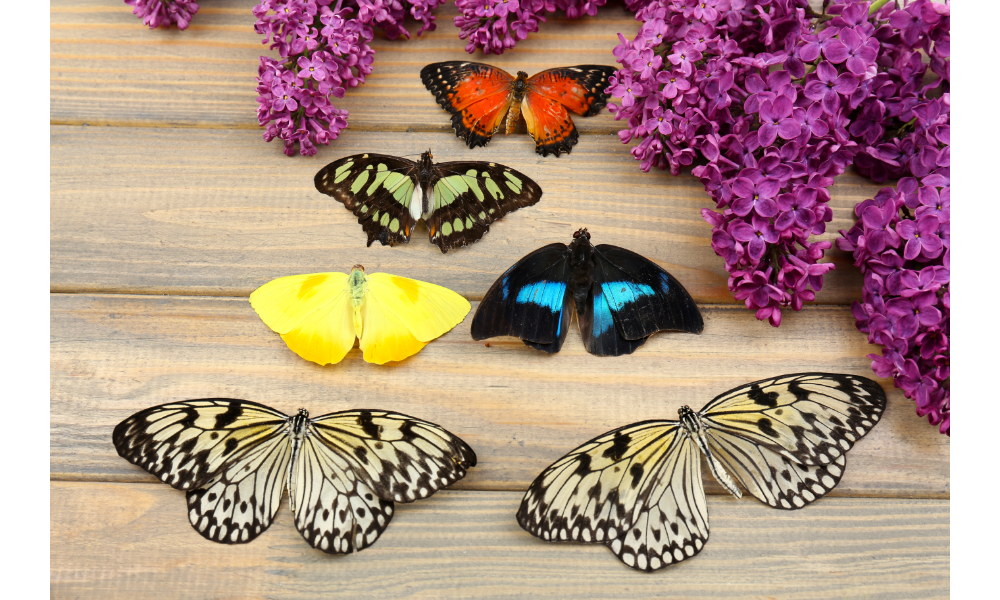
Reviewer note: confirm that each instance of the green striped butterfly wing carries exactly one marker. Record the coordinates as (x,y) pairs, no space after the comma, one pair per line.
(468,196)
(378,189)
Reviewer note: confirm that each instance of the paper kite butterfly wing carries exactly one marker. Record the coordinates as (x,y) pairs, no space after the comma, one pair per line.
(229,455)
(468,196)
(632,298)
(378,189)
(529,301)
(552,93)
(637,489)
(786,438)
(477,95)
(358,463)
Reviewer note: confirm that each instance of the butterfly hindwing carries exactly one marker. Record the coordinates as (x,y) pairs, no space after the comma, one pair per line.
(529,301)
(636,489)
(335,511)
(378,189)
(241,501)
(631,299)
(468,196)
(477,95)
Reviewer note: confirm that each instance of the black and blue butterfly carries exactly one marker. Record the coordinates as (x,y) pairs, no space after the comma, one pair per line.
(621,299)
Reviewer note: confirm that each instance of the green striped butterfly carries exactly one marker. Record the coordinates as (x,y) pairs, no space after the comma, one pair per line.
(457,200)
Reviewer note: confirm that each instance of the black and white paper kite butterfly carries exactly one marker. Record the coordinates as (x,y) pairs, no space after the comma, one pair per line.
(343,470)
(457,200)
(638,489)
(621,299)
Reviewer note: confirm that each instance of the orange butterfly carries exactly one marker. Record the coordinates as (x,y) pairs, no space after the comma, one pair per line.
(479,96)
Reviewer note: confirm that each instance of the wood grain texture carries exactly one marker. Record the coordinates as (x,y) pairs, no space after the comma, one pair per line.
(108,71)
(221,213)
(520,409)
(133,541)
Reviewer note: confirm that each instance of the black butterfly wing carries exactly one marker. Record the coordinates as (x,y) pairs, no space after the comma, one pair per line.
(468,196)
(378,189)
(632,298)
(529,301)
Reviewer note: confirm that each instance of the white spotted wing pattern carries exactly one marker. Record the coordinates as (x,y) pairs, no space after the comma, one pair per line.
(638,489)
(344,471)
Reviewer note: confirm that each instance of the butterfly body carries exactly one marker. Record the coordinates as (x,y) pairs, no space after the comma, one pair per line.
(638,489)
(483,98)
(343,471)
(457,200)
(621,299)
(319,315)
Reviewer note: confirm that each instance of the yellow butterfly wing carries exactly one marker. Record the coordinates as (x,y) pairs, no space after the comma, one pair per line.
(312,313)
(402,315)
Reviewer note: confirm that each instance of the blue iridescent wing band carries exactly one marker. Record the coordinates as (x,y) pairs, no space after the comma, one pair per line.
(528,301)
(631,299)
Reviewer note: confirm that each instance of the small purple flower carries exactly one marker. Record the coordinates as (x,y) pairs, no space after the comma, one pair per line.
(776,120)
(755,235)
(921,236)
(756,197)
(829,85)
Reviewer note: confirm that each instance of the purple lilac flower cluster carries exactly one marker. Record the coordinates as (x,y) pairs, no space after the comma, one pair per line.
(902,240)
(323,49)
(497,25)
(768,101)
(156,13)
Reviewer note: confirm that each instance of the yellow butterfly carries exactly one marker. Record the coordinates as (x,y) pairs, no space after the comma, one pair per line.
(319,314)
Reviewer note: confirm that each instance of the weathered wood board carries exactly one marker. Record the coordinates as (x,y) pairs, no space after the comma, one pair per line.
(519,408)
(108,71)
(220,213)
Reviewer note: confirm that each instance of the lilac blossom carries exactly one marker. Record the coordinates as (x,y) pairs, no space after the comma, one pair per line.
(157,13)
(767,101)
(497,25)
(324,50)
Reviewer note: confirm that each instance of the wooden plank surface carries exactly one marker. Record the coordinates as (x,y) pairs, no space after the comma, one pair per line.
(133,541)
(167,210)
(221,213)
(520,409)
(105,71)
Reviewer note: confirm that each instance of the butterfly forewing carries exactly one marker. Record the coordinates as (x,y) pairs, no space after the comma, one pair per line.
(528,301)
(399,457)
(581,89)
(468,196)
(378,189)
(810,418)
(186,444)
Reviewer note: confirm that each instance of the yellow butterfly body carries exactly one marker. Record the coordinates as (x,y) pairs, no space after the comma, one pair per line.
(319,315)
